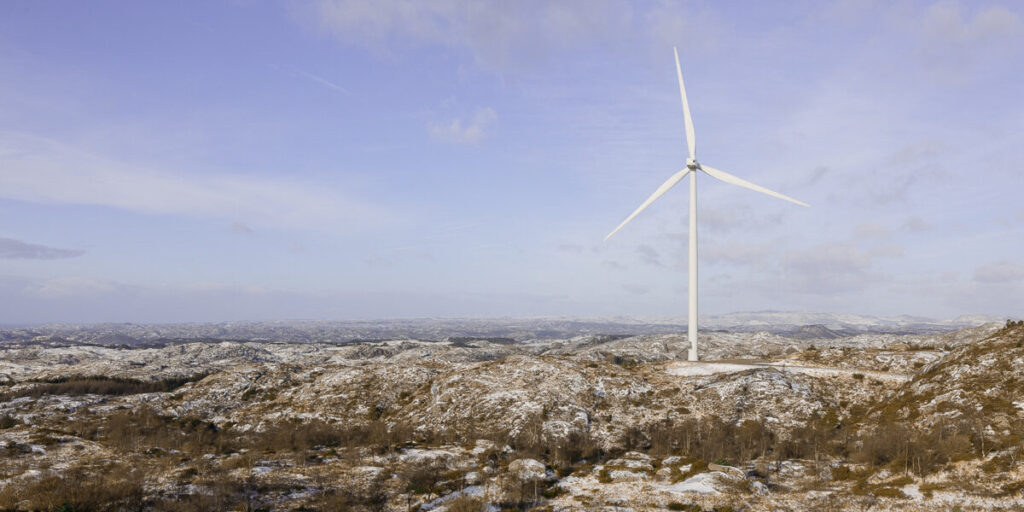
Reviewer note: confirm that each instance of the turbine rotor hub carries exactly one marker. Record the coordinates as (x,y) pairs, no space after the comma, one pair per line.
(691,164)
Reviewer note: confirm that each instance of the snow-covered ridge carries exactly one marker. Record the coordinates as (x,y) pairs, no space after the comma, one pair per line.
(798,324)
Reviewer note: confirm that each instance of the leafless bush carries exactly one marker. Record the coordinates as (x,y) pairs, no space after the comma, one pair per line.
(98,385)
(423,477)
(7,421)
(372,496)
(143,428)
(577,446)
(915,450)
(465,504)
(518,494)
(711,439)
(298,436)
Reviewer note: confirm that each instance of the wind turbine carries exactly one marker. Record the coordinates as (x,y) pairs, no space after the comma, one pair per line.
(691,169)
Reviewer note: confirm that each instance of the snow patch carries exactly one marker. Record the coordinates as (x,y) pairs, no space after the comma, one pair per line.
(703,483)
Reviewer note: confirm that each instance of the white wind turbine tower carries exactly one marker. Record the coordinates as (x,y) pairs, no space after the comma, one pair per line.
(691,169)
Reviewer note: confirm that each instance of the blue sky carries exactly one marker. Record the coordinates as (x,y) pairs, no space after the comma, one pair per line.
(166,162)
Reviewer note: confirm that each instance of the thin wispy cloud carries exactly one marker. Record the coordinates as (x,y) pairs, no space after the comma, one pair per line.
(499,35)
(322,81)
(240,228)
(41,170)
(613,265)
(512,136)
(461,131)
(916,224)
(868,230)
(68,287)
(649,255)
(999,272)
(636,289)
(952,37)
(739,253)
(829,259)
(17,249)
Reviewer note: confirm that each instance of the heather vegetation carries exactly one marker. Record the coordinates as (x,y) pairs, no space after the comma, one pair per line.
(96,385)
(954,427)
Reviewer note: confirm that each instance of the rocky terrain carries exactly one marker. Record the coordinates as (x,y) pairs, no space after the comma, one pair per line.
(813,417)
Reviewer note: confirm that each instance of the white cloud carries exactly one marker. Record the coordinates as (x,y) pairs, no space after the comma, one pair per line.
(240,228)
(830,268)
(945,21)
(498,35)
(376,260)
(738,253)
(673,23)
(916,224)
(468,132)
(738,218)
(999,272)
(636,289)
(40,170)
(870,230)
(887,251)
(613,265)
(814,176)
(829,258)
(649,255)
(954,43)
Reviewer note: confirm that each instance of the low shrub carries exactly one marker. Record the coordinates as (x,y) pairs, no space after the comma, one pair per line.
(465,504)
(98,385)
(77,489)
(685,507)
(7,421)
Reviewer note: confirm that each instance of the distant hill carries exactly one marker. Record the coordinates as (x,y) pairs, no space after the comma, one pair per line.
(809,332)
(800,325)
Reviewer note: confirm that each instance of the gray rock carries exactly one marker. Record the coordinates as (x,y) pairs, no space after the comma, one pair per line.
(527,470)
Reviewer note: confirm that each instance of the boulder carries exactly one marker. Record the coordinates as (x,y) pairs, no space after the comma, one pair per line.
(527,470)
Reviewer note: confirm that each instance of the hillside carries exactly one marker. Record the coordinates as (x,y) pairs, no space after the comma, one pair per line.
(870,421)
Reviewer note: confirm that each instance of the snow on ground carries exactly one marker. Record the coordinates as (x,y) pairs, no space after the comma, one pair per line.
(913,492)
(703,483)
(696,369)
(828,372)
(700,368)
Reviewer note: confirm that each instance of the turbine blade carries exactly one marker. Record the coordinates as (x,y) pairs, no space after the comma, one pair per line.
(657,193)
(729,178)
(691,139)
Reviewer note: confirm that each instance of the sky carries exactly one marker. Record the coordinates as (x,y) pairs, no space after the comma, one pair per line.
(342,159)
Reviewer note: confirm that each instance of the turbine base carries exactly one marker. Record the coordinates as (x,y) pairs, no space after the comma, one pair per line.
(691,355)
